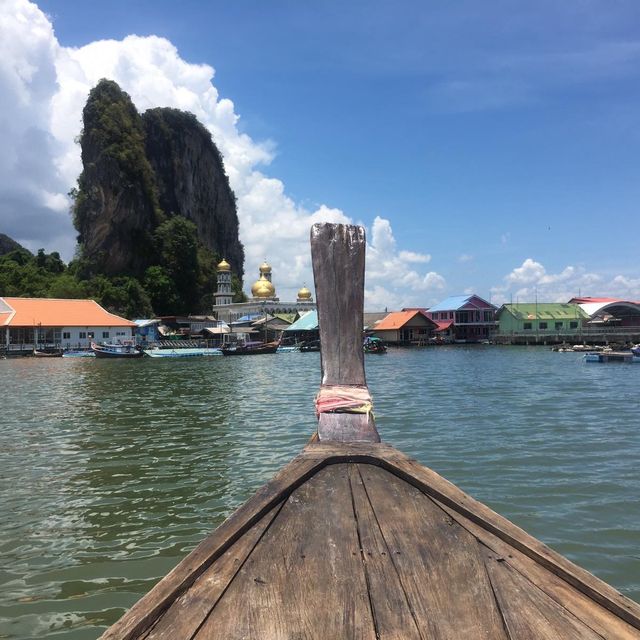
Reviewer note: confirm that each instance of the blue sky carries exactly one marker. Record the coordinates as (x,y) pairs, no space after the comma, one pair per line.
(497,141)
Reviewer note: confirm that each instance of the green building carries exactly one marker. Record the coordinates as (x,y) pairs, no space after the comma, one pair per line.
(540,319)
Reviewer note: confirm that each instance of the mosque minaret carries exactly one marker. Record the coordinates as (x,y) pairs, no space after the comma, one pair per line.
(224,294)
(263,296)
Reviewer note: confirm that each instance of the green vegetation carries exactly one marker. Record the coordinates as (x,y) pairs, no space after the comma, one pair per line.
(182,284)
(133,258)
(114,134)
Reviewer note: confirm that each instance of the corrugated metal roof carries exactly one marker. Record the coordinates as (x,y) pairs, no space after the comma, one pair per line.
(52,312)
(397,320)
(307,322)
(545,311)
(453,303)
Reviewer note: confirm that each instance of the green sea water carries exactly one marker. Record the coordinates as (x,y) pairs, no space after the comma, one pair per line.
(112,471)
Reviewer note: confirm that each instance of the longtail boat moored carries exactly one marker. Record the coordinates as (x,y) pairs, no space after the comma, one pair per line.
(353,539)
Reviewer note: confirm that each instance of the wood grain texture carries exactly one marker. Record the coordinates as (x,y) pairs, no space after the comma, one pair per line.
(392,615)
(592,614)
(146,611)
(188,612)
(305,578)
(347,427)
(528,612)
(439,562)
(338,256)
(436,486)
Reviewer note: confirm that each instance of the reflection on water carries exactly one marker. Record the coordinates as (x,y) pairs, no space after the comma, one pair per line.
(110,472)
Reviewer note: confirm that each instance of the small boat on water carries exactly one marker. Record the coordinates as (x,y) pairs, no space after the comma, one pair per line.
(117,350)
(354,539)
(636,350)
(288,348)
(195,352)
(251,349)
(79,353)
(374,345)
(626,357)
(47,354)
(311,345)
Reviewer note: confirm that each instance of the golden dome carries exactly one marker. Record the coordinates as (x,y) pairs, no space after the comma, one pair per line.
(262,288)
(265,267)
(224,266)
(304,294)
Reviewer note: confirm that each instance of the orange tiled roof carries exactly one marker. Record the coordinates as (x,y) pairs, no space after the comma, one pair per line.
(50,312)
(397,320)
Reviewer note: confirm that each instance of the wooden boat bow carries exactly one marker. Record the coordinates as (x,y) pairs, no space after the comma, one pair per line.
(354,539)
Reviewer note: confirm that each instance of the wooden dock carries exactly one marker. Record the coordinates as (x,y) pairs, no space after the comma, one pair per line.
(353,539)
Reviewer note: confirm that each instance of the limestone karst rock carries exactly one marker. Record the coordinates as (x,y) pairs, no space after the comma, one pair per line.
(138,171)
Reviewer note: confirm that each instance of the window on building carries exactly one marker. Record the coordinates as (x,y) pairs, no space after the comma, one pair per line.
(90,335)
(82,335)
(105,334)
(559,325)
(543,325)
(450,315)
(573,325)
(527,326)
(66,335)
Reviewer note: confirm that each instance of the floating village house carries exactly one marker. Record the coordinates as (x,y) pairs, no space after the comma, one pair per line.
(610,313)
(263,298)
(305,329)
(32,323)
(541,320)
(406,327)
(595,320)
(466,318)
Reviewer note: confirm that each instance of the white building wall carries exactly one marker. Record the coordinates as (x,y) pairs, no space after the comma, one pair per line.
(82,337)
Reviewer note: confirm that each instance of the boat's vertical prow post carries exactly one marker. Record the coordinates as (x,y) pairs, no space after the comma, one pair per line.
(344,405)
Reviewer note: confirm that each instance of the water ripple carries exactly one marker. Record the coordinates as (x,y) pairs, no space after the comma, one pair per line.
(113,471)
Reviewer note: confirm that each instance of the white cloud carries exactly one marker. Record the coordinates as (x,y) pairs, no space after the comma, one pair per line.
(43,88)
(531,280)
(465,257)
(388,268)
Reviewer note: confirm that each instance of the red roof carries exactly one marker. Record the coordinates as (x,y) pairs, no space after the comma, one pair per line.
(444,325)
(587,300)
(51,312)
(397,319)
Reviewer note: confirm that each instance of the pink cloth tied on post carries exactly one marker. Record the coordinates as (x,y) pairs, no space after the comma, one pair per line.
(343,399)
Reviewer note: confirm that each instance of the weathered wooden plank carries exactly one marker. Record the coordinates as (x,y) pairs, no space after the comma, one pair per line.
(436,486)
(351,451)
(439,562)
(144,613)
(347,427)
(528,612)
(391,612)
(338,254)
(338,257)
(595,616)
(305,578)
(188,612)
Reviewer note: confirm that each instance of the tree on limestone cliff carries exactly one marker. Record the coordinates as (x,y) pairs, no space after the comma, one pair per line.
(115,206)
(177,247)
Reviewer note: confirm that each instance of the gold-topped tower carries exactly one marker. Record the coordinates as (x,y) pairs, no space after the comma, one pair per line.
(304,295)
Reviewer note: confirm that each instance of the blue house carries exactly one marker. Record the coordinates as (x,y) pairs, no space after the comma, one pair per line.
(146,331)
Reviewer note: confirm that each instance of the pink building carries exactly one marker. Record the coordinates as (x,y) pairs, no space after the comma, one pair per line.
(464,318)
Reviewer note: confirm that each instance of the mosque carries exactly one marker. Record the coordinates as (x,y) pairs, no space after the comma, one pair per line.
(263,297)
